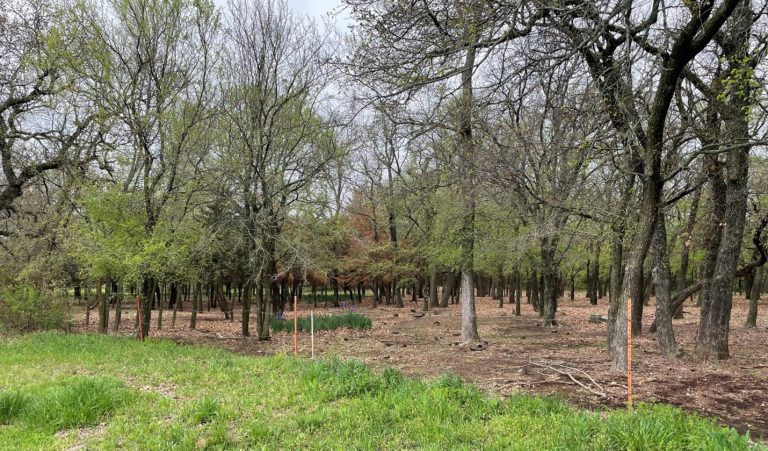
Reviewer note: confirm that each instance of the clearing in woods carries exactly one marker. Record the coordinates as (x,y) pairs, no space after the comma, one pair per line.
(524,356)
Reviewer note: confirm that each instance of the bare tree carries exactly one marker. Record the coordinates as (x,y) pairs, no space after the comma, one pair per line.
(45,124)
(276,76)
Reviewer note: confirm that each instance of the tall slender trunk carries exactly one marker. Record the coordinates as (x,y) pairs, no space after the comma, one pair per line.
(633,281)
(149,285)
(518,289)
(103,307)
(265,290)
(665,334)
(533,283)
(685,248)
(246,313)
(754,297)
(118,311)
(595,275)
(466,158)
(197,301)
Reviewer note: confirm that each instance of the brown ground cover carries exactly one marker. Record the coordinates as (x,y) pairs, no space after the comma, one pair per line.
(570,360)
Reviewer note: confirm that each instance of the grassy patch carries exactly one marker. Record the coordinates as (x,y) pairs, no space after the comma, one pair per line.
(348,320)
(159,395)
(70,402)
(13,404)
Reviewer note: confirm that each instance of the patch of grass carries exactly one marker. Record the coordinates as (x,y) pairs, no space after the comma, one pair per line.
(348,320)
(205,410)
(78,402)
(72,402)
(202,397)
(13,404)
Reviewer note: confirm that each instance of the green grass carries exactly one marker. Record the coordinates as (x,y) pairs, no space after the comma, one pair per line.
(322,322)
(58,389)
(67,403)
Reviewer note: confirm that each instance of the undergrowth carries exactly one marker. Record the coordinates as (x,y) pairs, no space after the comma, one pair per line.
(349,320)
(160,395)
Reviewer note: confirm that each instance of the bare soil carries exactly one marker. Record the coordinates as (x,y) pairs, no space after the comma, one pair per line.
(570,360)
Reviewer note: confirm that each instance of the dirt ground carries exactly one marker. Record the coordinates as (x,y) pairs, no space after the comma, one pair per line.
(570,360)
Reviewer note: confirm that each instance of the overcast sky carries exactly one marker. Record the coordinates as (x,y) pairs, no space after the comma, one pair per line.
(317,8)
(314,8)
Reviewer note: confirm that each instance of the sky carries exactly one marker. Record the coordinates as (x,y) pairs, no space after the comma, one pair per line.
(314,8)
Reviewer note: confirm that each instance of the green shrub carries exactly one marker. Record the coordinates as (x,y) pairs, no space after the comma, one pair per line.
(323,322)
(27,309)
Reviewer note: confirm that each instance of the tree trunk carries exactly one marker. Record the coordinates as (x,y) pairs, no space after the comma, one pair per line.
(518,289)
(595,275)
(533,283)
(173,316)
(754,297)
(715,318)
(222,300)
(264,296)
(447,289)
(160,298)
(714,323)
(665,334)
(146,305)
(118,311)
(197,301)
(549,273)
(433,301)
(103,300)
(246,309)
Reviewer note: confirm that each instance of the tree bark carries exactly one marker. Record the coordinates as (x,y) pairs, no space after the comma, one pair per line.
(549,272)
(246,313)
(433,301)
(754,297)
(714,323)
(595,275)
(466,149)
(665,334)
(197,301)
(103,307)
(447,289)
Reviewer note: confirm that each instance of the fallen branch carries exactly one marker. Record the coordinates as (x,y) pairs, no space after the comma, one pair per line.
(566,371)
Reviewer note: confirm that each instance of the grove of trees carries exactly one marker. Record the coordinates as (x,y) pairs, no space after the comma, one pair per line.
(167,151)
